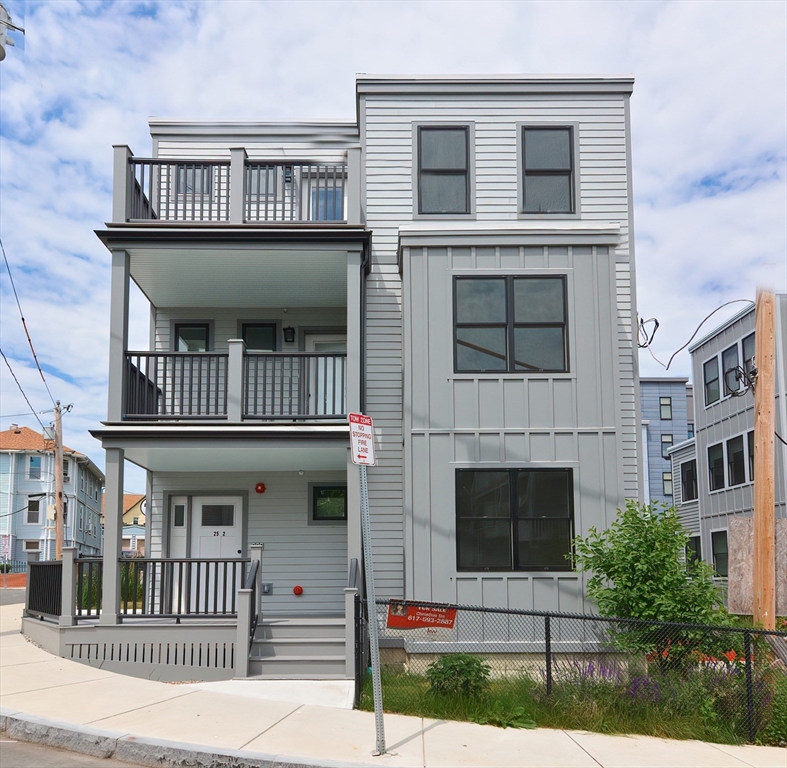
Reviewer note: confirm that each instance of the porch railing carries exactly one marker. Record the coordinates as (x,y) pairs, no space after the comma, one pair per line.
(298,385)
(89,573)
(180,588)
(44,589)
(178,190)
(176,385)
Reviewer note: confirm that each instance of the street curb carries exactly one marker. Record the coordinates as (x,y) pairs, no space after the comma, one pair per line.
(155,753)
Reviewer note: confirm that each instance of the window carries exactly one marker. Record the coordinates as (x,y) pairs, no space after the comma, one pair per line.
(218,515)
(666,444)
(34,468)
(666,483)
(690,430)
(328,202)
(729,365)
(329,502)
(443,170)
(515,324)
(688,480)
(191,337)
(81,517)
(516,519)
(718,540)
(32,546)
(665,408)
(66,478)
(747,347)
(736,463)
(259,336)
(180,516)
(693,550)
(716,466)
(547,169)
(194,179)
(710,377)
(750,446)
(33,510)
(134,521)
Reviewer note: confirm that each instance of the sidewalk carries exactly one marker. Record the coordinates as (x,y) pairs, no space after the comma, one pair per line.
(67,704)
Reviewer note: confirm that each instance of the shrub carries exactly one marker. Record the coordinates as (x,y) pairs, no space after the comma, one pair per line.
(776,730)
(458,673)
(5,567)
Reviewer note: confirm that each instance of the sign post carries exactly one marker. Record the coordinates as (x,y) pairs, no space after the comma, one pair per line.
(362,446)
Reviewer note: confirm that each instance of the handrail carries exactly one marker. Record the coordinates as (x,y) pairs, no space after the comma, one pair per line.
(251,583)
(252,575)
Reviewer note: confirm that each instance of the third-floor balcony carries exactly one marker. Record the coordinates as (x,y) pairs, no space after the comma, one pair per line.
(236,190)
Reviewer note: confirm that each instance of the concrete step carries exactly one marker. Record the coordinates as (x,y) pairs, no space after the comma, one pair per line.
(298,667)
(297,646)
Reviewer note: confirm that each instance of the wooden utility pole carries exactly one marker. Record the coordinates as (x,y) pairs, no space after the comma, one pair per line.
(764,425)
(59,514)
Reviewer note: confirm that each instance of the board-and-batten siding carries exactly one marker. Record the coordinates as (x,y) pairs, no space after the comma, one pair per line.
(688,511)
(387,137)
(296,553)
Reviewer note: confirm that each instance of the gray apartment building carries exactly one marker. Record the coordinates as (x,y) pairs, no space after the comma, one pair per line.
(714,471)
(458,263)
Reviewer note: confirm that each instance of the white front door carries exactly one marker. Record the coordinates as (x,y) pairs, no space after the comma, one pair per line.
(326,381)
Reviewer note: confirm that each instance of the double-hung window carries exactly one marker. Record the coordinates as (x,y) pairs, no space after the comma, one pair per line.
(736,463)
(747,347)
(710,378)
(750,446)
(666,483)
(729,366)
(665,408)
(33,510)
(515,324)
(666,444)
(443,170)
(716,466)
(34,468)
(514,519)
(688,480)
(718,540)
(548,170)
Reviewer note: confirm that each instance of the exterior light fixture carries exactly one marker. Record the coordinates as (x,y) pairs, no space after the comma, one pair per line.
(289,334)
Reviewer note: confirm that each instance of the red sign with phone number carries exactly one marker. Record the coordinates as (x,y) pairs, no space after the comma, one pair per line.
(403,616)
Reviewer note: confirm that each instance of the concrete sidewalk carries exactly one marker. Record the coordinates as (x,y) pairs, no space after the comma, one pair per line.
(67,704)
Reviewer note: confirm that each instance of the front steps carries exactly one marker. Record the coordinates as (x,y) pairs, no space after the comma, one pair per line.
(298,648)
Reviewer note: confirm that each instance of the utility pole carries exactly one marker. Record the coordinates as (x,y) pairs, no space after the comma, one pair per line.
(59,521)
(764,569)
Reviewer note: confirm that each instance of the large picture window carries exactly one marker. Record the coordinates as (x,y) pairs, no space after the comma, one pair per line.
(547,169)
(514,519)
(515,324)
(443,170)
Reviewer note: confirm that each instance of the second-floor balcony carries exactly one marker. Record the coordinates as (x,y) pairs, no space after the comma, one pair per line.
(238,190)
(235,386)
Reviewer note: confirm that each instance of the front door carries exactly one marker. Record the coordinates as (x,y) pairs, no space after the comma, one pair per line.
(327,375)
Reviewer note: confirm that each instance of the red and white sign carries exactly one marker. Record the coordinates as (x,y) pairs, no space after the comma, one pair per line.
(362,439)
(403,616)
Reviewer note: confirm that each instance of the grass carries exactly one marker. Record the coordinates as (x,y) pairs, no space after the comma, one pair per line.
(708,705)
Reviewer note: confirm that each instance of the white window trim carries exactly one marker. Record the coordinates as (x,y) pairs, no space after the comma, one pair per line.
(722,388)
(40,469)
(696,479)
(37,543)
(723,443)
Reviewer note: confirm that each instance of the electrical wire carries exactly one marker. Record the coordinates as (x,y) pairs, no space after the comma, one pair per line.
(39,496)
(15,415)
(24,324)
(32,410)
(780,437)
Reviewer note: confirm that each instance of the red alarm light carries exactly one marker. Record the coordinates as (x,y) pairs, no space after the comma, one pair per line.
(260,487)
(297,590)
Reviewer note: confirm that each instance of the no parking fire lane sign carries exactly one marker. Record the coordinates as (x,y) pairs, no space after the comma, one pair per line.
(362,439)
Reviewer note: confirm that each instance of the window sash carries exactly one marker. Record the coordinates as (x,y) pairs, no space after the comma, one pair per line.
(532,200)
(716,467)
(736,461)
(666,483)
(182,345)
(666,444)
(434,173)
(688,480)
(665,408)
(720,553)
(710,378)
(729,365)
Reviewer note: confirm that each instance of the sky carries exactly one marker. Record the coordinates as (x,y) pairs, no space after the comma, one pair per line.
(709,135)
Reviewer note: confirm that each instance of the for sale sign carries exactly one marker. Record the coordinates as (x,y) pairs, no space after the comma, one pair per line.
(362,439)
(403,616)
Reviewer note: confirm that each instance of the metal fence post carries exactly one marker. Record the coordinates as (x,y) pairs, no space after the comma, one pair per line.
(548,652)
(749,688)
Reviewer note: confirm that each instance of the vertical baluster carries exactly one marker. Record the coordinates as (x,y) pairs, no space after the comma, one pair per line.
(264,360)
(215,586)
(276,169)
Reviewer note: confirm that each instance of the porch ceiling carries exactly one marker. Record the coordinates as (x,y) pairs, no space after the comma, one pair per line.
(230,449)
(240,277)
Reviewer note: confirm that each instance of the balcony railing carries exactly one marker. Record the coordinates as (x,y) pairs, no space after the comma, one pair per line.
(164,386)
(158,189)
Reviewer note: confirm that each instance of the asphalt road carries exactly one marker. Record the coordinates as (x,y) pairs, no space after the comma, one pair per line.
(10,596)
(22,754)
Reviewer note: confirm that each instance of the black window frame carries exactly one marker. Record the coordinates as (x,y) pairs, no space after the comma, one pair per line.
(750,449)
(510,325)
(666,484)
(719,554)
(729,370)
(688,480)
(315,491)
(736,461)
(693,550)
(666,444)
(274,332)
(186,177)
(748,362)
(706,382)
(433,172)
(716,470)
(524,172)
(665,402)
(189,324)
(513,521)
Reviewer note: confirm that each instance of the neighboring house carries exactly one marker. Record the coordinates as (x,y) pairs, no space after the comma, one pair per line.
(457,263)
(133,533)
(664,407)
(714,471)
(27,492)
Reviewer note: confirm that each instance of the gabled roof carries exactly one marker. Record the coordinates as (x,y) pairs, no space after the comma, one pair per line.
(26,439)
(129,500)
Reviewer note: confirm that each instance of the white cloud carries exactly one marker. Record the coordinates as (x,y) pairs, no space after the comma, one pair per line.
(709,105)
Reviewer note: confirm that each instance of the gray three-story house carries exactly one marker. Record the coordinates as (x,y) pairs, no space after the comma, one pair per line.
(457,263)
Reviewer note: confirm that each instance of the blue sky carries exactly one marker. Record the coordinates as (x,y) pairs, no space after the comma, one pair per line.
(709,116)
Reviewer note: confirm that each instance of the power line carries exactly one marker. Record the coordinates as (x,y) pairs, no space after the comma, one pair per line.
(32,410)
(15,415)
(24,324)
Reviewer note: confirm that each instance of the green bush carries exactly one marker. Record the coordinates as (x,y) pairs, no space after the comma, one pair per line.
(776,730)
(5,567)
(458,673)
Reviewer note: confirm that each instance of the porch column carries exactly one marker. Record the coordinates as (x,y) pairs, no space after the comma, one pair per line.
(242,640)
(349,632)
(113,531)
(237,184)
(120,182)
(353,395)
(354,212)
(68,589)
(118,334)
(237,349)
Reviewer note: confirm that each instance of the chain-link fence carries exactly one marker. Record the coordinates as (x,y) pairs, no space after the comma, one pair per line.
(510,667)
